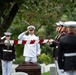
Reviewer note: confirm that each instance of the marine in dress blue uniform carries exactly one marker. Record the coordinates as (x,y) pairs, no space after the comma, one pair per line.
(61,32)
(67,48)
(8,54)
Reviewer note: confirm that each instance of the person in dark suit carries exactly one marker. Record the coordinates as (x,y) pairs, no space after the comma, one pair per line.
(7,55)
(67,50)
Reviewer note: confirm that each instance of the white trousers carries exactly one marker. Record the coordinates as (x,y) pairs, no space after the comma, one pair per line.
(70,73)
(59,71)
(6,67)
(31,59)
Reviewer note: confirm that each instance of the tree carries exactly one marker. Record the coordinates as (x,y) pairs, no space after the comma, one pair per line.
(42,14)
(16,15)
(8,10)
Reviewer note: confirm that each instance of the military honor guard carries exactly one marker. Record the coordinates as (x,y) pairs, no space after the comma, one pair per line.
(7,55)
(67,50)
(61,30)
(31,51)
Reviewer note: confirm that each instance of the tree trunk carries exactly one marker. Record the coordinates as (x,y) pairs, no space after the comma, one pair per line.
(7,22)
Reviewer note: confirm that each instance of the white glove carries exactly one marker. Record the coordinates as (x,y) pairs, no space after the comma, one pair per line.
(13,59)
(3,37)
(6,42)
(62,70)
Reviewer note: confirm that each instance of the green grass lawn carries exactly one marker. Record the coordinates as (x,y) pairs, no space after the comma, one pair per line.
(47,73)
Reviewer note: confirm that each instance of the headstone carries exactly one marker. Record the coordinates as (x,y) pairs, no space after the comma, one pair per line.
(13,67)
(53,70)
(42,68)
(19,73)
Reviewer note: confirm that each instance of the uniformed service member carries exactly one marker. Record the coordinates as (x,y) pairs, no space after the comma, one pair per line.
(31,51)
(67,50)
(61,29)
(8,54)
(59,26)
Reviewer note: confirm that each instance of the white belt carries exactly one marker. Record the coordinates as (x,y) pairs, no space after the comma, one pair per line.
(69,54)
(7,50)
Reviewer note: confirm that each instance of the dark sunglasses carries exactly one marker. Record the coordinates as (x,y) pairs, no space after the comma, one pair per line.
(31,30)
(7,36)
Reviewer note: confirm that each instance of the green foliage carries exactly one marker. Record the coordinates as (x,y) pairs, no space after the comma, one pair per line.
(19,60)
(43,58)
(42,14)
(19,50)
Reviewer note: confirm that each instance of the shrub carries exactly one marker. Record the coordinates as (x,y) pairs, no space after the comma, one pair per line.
(43,58)
(19,60)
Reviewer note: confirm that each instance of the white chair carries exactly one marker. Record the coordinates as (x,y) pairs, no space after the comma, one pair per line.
(19,73)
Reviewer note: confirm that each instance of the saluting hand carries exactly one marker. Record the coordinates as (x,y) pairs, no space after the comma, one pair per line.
(26,31)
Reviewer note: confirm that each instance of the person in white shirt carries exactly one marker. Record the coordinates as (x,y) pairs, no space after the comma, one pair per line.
(31,51)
